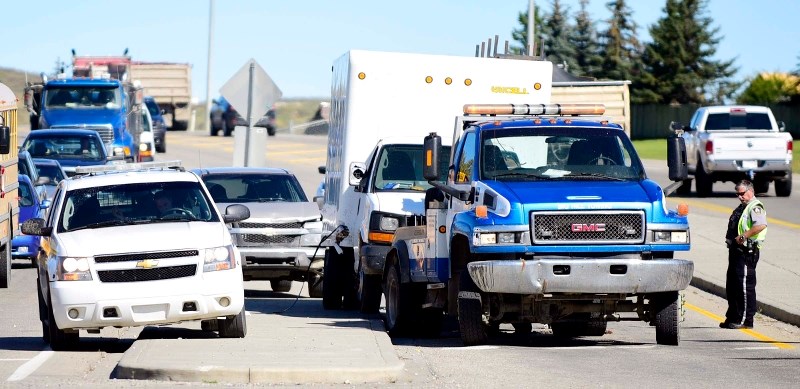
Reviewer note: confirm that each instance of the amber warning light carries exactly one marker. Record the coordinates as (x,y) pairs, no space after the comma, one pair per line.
(534,109)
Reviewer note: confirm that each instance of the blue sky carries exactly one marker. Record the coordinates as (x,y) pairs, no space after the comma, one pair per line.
(296,41)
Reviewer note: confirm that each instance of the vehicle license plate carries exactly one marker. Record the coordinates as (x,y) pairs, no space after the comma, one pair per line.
(749,164)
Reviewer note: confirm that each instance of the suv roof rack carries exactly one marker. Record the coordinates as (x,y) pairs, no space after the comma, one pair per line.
(129,167)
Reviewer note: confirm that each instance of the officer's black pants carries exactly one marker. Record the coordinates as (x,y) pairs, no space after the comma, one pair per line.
(740,286)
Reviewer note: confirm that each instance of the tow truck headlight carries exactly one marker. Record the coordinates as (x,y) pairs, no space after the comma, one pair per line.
(73,269)
(670,237)
(218,258)
(488,239)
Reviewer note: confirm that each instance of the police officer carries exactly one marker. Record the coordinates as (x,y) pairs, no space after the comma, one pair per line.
(747,228)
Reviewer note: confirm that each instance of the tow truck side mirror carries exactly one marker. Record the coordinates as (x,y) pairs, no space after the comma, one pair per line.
(430,164)
(676,158)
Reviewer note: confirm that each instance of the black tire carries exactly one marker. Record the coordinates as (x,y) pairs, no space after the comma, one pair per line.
(59,340)
(760,186)
(685,189)
(522,328)
(233,327)
(315,285)
(369,292)
(703,182)
(400,310)
(5,266)
(209,325)
(270,130)
(474,331)
(227,130)
(332,292)
(214,131)
(162,148)
(666,318)
(783,188)
(280,285)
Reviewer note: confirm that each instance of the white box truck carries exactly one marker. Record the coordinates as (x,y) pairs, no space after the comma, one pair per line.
(382,106)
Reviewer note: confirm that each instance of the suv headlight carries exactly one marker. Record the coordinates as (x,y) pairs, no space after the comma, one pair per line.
(218,258)
(73,269)
(314,235)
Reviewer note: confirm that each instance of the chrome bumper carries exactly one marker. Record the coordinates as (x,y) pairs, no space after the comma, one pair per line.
(581,275)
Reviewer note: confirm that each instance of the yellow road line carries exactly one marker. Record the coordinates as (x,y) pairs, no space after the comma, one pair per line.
(752,333)
(727,211)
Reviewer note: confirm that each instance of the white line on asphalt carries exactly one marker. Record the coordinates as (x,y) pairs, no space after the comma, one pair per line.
(756,348)
(13,359)
(29,367)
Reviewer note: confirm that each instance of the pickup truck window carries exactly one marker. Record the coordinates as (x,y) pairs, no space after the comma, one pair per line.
(557,153)
(733,121)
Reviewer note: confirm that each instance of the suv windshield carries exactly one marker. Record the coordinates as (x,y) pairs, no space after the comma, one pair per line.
(399,167)
(140,203)
(555,153)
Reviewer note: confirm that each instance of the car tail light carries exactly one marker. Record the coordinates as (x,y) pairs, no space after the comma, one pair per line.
(789,147)
(709,147)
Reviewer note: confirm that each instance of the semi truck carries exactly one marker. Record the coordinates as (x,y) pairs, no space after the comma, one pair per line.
(9,205)
(546,216)
(99,96)
(383,104)
(170,84)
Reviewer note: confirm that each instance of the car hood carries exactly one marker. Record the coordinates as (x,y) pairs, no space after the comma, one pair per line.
(284,211)
(144,238)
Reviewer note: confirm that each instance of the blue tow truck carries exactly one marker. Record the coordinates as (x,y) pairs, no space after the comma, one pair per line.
(91,100)
(547,216)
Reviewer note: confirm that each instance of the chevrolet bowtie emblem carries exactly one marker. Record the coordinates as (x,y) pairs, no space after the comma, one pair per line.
(147,263)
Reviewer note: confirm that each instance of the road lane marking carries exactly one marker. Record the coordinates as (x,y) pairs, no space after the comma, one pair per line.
(755,334)
(13,359)
(727,211)
(29,367)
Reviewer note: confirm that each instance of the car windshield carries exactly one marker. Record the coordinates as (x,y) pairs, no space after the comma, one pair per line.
(64,96)
(141,203)
(522,154)
(64,147)
(25,195)
(400,168)
(152,106)
(243,188)
(52,172)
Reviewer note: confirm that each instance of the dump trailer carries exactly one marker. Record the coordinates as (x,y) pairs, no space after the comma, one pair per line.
(170,84)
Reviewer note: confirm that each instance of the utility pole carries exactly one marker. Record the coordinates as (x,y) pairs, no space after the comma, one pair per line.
(208,67)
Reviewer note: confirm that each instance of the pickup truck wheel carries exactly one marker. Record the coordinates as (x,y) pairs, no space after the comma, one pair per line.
(233,327)
(399,306)
(5,266)
(783,188)
(332,291)
(315,285)
(470,313)
(703,182)
(522,328)
(685,189)
(60,340)
(369,292)
(760,186)
(280,285)
(666,309)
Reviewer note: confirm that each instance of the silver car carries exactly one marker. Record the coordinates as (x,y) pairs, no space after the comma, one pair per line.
(280,241)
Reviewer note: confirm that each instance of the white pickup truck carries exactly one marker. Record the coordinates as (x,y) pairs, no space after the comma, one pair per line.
(729,143)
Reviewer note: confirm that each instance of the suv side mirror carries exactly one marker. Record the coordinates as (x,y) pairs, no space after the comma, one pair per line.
(235,213)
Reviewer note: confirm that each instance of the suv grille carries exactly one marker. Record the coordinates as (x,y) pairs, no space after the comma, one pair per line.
(159,273)
(587,227)
(143,256)
(271,225)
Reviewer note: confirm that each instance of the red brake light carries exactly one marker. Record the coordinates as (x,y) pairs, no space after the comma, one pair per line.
(709,147)
(789,146)
(738,110)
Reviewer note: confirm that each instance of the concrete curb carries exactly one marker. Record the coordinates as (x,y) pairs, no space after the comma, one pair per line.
(766,309)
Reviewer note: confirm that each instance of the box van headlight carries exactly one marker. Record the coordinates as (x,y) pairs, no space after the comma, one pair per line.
(389,223)
(218,258)
(73,269)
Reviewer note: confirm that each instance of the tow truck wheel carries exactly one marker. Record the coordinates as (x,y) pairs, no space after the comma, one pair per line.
(470,314)
(398,305)
(233,327)
(666,307)
(331,292)
(369,292)
(59,340)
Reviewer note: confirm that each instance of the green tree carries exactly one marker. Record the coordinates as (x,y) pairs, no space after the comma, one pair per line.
(678,64)
(619,46)
(520,35)
(770,88)
(559,36)
(587,50)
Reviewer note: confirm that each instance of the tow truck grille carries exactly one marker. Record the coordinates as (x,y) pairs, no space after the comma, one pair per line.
(158,273)
(603,227)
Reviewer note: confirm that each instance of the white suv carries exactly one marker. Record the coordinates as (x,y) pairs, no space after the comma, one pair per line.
(113,258)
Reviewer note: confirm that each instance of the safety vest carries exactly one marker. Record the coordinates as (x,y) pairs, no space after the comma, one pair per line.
(745,223)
